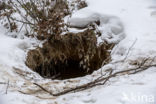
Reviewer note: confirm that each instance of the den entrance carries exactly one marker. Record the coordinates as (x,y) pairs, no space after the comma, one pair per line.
(68,56)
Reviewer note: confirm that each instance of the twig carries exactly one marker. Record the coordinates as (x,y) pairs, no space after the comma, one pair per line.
(7,87)
(43,89)
(99,80)
(3,83)
(130,48)
(29,23)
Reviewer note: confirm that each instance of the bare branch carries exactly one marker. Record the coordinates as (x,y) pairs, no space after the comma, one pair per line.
(7,87)
(130,48)
(100,80)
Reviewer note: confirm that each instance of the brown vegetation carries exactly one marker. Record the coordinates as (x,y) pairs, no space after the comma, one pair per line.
(68,56)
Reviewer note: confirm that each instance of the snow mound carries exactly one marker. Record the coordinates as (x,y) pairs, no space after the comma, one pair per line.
(110,27)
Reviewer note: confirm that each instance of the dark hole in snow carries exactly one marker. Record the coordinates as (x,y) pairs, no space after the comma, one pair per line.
(69,56)
(62,70)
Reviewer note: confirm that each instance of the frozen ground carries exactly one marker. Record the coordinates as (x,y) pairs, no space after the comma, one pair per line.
(134,18)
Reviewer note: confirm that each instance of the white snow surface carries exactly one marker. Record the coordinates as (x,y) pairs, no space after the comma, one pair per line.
(133,19)
(111,28)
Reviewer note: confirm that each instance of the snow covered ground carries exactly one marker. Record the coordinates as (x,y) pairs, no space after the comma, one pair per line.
(138,19)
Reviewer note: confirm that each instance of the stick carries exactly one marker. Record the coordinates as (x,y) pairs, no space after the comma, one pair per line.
(3,83)
(130,48)
(7,87)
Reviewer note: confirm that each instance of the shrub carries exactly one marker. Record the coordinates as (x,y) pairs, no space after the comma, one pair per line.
(42,18)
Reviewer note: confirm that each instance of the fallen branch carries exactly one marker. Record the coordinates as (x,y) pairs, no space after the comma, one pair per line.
(3,83)
(101,80)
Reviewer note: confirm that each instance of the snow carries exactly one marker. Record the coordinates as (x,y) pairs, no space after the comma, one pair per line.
(130,23)
(112,93)
(136,17)
(110,26)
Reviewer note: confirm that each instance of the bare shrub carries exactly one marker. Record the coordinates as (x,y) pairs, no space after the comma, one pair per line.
(6,11)
(42,18)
